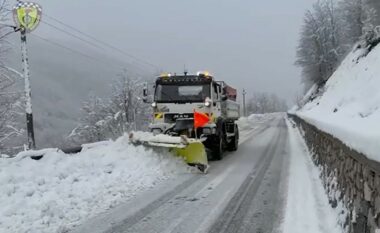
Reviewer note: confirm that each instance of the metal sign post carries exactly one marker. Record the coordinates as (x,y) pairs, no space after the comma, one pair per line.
(27,16)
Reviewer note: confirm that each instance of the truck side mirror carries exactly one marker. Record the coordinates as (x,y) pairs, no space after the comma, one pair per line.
(145,93)
(224,98)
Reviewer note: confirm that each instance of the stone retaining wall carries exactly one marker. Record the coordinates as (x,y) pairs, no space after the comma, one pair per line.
(349,178)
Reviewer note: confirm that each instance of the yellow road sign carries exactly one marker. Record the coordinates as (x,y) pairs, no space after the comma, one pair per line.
(27,15)
(158,115)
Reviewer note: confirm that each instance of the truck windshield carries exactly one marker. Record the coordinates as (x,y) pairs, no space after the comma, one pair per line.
(181,93)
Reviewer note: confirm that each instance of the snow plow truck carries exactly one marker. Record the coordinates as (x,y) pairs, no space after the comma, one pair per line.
(194,116)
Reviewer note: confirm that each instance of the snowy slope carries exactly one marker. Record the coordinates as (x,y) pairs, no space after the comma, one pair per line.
(61,190)
(349,108)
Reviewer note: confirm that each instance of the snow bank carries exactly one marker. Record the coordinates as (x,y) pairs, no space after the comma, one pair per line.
(4,156)
(161,138)
(244,124)
(349,108)
(247,123)
(60,191)
(307,205)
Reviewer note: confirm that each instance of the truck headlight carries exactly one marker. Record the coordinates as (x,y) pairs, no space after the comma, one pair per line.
(208,102)
(154,104)
(207,131)
(156,131)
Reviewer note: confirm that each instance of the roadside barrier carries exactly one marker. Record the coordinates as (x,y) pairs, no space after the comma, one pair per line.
(349,177)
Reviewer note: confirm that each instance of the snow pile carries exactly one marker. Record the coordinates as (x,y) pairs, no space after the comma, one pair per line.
(349,108)
(60,191)
(4,156)
(160,138)
(311,94)
(247,123)
(307,206)
(244,124)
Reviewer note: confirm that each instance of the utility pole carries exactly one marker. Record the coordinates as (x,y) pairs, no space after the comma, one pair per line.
(28,92)
(27,16)
(244,106)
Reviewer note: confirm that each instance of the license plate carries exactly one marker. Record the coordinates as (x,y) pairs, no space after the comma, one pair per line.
(181,116)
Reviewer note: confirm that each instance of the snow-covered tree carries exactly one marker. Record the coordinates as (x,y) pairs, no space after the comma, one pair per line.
(5,30)
(375,4)
(91,126)
(320,49)
(265,103)
(12,119)
(12,133)
(126,106)
(329,32)
(110,118)
(357,17)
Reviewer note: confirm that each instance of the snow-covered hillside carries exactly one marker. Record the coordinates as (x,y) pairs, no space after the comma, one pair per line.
(60,190)
(349,107)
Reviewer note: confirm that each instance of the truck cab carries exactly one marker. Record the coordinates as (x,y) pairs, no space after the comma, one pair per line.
(177,97)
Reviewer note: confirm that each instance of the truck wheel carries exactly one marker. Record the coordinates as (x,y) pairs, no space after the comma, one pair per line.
(217,151)
(233,145)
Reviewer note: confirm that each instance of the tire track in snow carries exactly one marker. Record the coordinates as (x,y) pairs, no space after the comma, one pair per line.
(231,219)
(138,216)
(142,213)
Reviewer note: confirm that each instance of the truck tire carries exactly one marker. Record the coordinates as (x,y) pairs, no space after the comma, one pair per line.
(233,145)
(217,150)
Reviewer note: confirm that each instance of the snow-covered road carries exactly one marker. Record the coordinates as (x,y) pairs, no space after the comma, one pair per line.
(268,185)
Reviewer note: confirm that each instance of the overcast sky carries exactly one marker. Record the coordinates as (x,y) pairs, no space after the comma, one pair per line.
(248,43)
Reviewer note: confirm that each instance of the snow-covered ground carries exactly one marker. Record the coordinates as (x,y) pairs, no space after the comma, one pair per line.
(307,208)
(349,107)
(60,191)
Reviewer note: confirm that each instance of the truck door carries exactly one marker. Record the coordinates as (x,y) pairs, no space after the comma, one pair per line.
(217,100)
